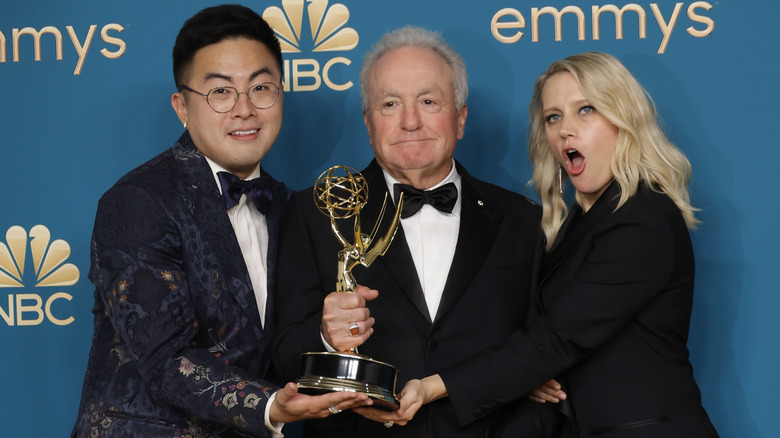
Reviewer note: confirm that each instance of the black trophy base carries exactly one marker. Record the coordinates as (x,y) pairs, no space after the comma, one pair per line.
(323,372)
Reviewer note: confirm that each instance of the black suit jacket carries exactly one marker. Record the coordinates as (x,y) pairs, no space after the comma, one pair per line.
(485,298)
(616,293)
(178,347)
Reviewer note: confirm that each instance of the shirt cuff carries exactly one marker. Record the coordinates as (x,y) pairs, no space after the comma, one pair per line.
(325,343)
(273,427)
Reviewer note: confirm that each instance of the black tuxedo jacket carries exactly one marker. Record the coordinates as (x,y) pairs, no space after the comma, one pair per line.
(485,298)
(616,292)
(178,348)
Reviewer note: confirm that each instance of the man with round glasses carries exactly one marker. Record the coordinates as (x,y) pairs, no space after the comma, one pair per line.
(183,257)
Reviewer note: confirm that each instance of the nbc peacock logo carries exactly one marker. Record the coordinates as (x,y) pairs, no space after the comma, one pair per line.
(328,33)
(50,270)
(326,25)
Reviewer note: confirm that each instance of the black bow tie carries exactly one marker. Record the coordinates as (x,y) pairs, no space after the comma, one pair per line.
(260,191)
(442,198)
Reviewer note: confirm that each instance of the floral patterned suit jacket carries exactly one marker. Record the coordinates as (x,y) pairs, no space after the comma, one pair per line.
(178,348)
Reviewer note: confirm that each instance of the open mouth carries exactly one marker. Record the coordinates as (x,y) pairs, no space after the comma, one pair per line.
(575,161)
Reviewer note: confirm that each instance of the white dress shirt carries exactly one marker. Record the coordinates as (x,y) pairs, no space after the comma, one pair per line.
(252,234)
(432,236)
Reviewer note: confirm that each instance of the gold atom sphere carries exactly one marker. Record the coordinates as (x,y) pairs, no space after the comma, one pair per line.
(340,192)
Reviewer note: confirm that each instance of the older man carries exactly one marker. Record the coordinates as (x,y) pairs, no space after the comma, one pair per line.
(456,278)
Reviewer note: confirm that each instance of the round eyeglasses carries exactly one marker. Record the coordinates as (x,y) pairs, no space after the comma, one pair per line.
(223,99)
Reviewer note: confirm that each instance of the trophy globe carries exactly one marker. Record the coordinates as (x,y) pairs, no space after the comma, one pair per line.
(340,192)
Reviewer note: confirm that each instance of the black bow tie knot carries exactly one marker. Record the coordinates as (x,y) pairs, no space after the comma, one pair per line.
(442,198)
(260,191)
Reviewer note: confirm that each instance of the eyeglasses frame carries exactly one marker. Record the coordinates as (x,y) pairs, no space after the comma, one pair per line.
(238,94)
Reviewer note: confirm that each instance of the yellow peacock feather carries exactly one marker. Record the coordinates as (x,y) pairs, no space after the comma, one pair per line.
(48,258)
(327,25)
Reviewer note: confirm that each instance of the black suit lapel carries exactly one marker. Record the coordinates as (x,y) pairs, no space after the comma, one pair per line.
(577,226)
(398,260)
(479,224)
(273,222)
(199,191)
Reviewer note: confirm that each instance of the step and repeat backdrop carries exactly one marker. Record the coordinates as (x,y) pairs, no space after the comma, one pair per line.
(86,89)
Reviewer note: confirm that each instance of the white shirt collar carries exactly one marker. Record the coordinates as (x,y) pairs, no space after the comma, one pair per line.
(216,168)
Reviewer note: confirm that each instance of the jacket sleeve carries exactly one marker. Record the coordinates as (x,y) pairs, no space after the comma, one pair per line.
(626,268)
(140,270)
(299,292)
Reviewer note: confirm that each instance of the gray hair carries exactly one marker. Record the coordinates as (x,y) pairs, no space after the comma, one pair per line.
(412,36)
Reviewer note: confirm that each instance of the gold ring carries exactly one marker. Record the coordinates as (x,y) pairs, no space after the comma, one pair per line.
(354,329)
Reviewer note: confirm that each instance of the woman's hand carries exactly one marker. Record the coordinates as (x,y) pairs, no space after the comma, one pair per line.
(549,392)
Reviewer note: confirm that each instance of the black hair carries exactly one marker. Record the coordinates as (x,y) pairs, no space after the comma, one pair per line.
(216,24)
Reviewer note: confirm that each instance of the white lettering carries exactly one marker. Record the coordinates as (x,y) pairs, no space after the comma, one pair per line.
(666,28)
(57,296)
(304,74)
(314,73)
(2,47)
(326,75)
(596,13)
(512,20)
(112,40)
(30,309)
(81,50)
(519,23)
(37,41)
(8,316)
(536,13)
(700,19)
(21,309)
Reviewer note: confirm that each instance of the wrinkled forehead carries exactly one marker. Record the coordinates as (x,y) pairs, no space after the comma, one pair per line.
(411,69)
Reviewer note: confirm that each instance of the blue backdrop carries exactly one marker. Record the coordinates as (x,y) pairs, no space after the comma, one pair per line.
(86,91)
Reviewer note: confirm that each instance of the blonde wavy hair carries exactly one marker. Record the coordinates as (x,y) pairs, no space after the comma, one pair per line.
(643,154)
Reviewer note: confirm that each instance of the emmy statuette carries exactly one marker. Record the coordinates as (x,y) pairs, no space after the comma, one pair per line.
(340,193)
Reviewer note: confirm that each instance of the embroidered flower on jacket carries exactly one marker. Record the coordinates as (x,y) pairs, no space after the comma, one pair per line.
(230,400)
(251,401)
(186,367)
